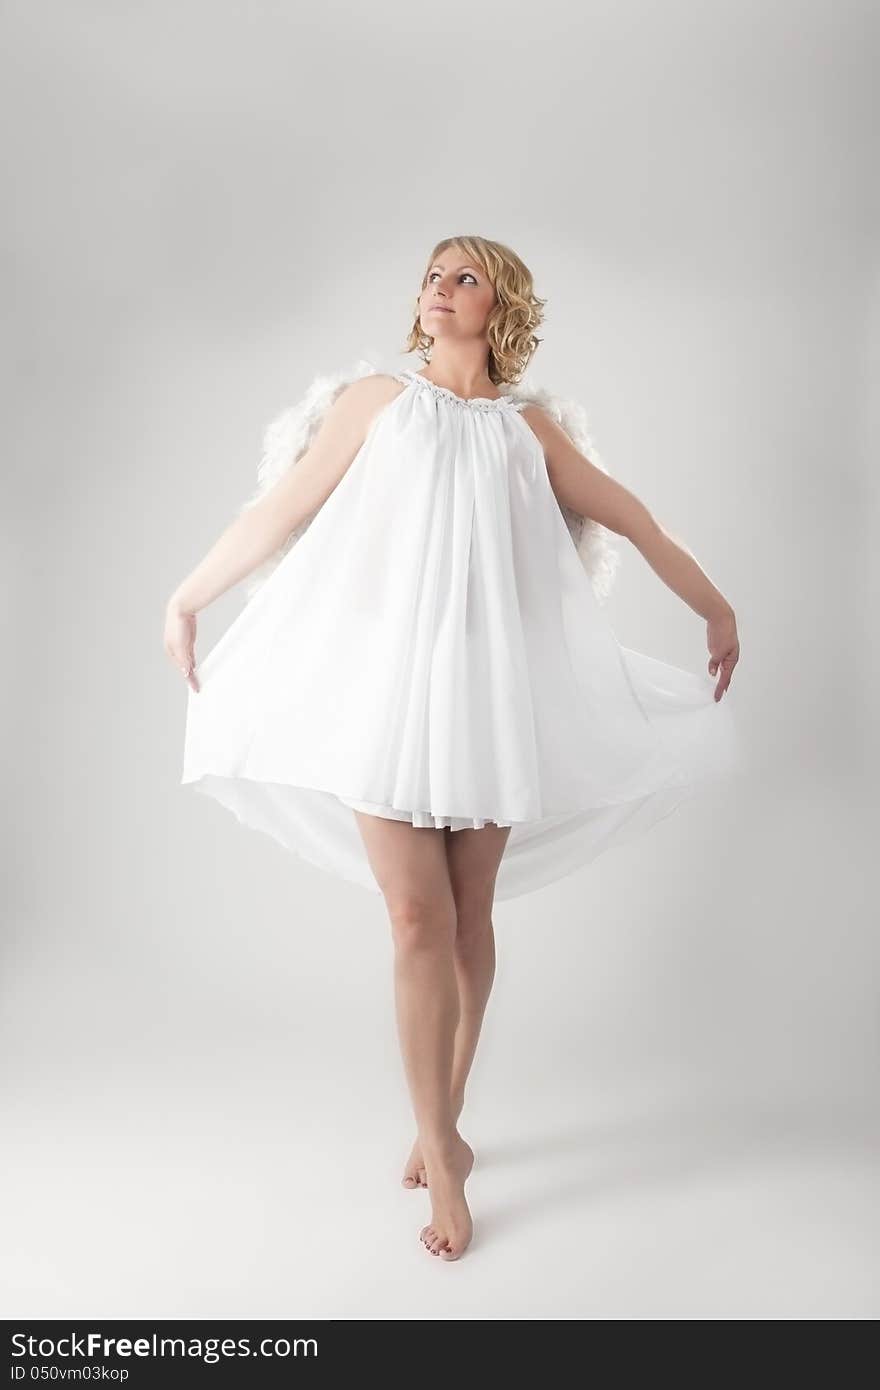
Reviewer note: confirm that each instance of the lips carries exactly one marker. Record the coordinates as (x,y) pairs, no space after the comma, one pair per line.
(440,309)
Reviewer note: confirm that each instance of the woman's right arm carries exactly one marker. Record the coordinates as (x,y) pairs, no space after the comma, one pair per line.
(261,529)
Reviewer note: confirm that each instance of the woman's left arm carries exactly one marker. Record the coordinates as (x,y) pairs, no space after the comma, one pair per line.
(586,489)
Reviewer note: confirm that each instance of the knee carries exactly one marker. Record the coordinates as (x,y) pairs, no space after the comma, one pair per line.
(473,913)
(419,924)
(473,930)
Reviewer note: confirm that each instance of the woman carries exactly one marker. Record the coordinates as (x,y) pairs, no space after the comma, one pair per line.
(422,695)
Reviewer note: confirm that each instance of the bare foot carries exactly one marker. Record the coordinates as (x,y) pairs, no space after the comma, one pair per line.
(414,1172)
(449,1231)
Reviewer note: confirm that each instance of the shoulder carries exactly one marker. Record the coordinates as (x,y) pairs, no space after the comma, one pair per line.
(344,409)
(561,430)
(536,415)
(374,389)
(540,419)
(358,401)
(355,402)
(549,433)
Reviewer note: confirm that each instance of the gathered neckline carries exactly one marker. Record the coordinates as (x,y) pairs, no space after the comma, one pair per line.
(477,402)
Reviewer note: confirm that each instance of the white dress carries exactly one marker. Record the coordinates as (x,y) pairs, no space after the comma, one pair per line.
(431,649)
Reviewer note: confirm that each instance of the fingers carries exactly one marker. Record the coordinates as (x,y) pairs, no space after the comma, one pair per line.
(189,671)
(180,638)
(185,662)
(726,664)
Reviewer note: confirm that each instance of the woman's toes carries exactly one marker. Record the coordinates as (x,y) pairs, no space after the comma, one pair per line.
(449,1253)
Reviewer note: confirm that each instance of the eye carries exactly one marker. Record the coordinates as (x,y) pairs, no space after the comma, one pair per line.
(464,272)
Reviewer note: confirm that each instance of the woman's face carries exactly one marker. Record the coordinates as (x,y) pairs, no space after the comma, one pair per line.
(457,297)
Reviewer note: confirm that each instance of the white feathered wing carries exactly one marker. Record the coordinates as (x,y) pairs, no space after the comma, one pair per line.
(291,433)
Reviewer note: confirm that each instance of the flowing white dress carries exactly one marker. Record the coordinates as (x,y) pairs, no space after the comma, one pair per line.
(432,650)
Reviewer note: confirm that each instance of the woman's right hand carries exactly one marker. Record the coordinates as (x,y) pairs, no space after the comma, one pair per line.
(180,641)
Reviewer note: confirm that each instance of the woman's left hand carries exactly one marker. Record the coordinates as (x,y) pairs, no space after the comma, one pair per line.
(723,644)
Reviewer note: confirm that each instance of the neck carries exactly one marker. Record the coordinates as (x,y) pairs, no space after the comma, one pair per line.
(465,374)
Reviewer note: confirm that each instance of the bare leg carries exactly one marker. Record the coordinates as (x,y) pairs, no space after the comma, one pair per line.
(411,868)
(473,857)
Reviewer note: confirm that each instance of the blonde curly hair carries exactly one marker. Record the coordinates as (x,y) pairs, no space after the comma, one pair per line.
(514,316)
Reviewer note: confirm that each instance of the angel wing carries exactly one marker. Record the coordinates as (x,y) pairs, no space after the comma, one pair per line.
(288,437)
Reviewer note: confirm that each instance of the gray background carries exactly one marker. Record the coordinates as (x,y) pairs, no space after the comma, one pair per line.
(674,1106)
